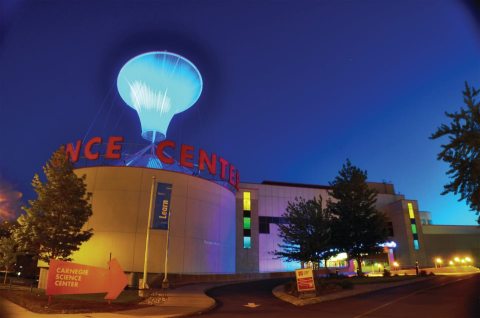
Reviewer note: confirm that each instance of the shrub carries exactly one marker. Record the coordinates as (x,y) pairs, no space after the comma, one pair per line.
(346,284)
(291,287)
(423,273)
(431,274)
(386,273)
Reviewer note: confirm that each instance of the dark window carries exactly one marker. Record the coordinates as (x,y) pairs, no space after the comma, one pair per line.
(415,236)
(412,221)
(264,228)
(265,221)
(247,232)
(263,225)
(278,220)
(390,228)
(246,214)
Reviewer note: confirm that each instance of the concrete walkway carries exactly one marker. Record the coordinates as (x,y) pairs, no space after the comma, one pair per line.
(182,301)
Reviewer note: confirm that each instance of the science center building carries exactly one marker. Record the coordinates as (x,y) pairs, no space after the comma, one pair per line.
(191,202)
(214,230)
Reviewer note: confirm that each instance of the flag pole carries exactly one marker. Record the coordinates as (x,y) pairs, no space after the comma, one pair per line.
(165,283)
(150,208)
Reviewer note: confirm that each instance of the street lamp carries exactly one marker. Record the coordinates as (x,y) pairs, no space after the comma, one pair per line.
(438,262)
(396,265)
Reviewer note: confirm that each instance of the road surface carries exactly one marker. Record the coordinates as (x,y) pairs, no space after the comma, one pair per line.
(442,296)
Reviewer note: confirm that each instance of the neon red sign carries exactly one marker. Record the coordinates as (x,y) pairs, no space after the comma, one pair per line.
(216,165)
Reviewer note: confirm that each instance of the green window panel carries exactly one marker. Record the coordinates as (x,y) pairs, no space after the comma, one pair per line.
(414,229)
(246,223)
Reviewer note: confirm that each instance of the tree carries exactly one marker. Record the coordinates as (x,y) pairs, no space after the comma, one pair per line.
(462,152)
(8,255)
(52,226)
(6,228)
(358,227)
(306,234)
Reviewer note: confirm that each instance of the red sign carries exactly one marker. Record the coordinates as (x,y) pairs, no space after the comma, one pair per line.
(215,165)
(71,278)
(305,280)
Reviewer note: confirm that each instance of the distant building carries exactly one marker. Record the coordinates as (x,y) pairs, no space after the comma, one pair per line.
(426,218)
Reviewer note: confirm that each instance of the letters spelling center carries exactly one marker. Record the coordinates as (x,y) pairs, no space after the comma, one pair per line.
(226,171)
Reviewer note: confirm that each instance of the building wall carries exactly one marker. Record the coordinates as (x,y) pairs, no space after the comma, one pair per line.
(425,218)
(405,252)
(271,200)
(449,241)
(202,235)
(247,259)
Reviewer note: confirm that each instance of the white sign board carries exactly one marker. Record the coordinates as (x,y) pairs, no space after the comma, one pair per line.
(305,281)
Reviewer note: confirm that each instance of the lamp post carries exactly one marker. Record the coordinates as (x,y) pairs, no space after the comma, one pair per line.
(395,265)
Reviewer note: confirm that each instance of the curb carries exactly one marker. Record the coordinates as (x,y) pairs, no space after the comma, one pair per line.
(213,304)
(280,294)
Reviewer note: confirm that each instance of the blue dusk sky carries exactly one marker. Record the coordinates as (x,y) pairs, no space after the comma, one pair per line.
(291,88)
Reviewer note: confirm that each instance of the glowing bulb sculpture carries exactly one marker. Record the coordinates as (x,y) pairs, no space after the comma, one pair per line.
(159,85)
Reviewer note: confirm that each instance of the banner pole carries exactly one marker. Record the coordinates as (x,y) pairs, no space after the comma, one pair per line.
(165,283)
(150,208)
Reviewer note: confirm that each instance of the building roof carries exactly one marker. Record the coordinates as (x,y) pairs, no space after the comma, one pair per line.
(380,187)
(296,185)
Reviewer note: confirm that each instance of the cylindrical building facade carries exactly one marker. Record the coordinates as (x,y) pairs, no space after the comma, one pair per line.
(202,224)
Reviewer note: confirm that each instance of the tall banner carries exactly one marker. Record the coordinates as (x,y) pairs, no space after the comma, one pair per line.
(162,206)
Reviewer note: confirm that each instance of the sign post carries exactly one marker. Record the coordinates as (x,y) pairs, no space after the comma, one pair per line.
(305,281)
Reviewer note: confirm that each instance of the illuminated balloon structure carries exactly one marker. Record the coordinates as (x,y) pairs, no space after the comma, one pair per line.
(159,85)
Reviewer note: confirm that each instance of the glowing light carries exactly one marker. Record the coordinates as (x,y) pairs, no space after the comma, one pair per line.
(468,259)
(450,263)
(246,201)
(462,261)
(247,243)
(390,244)
(439,260)
(416,244)
(339,257)
(246,223)
(456,259)
(395,264)
(159,85)
(410,210)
